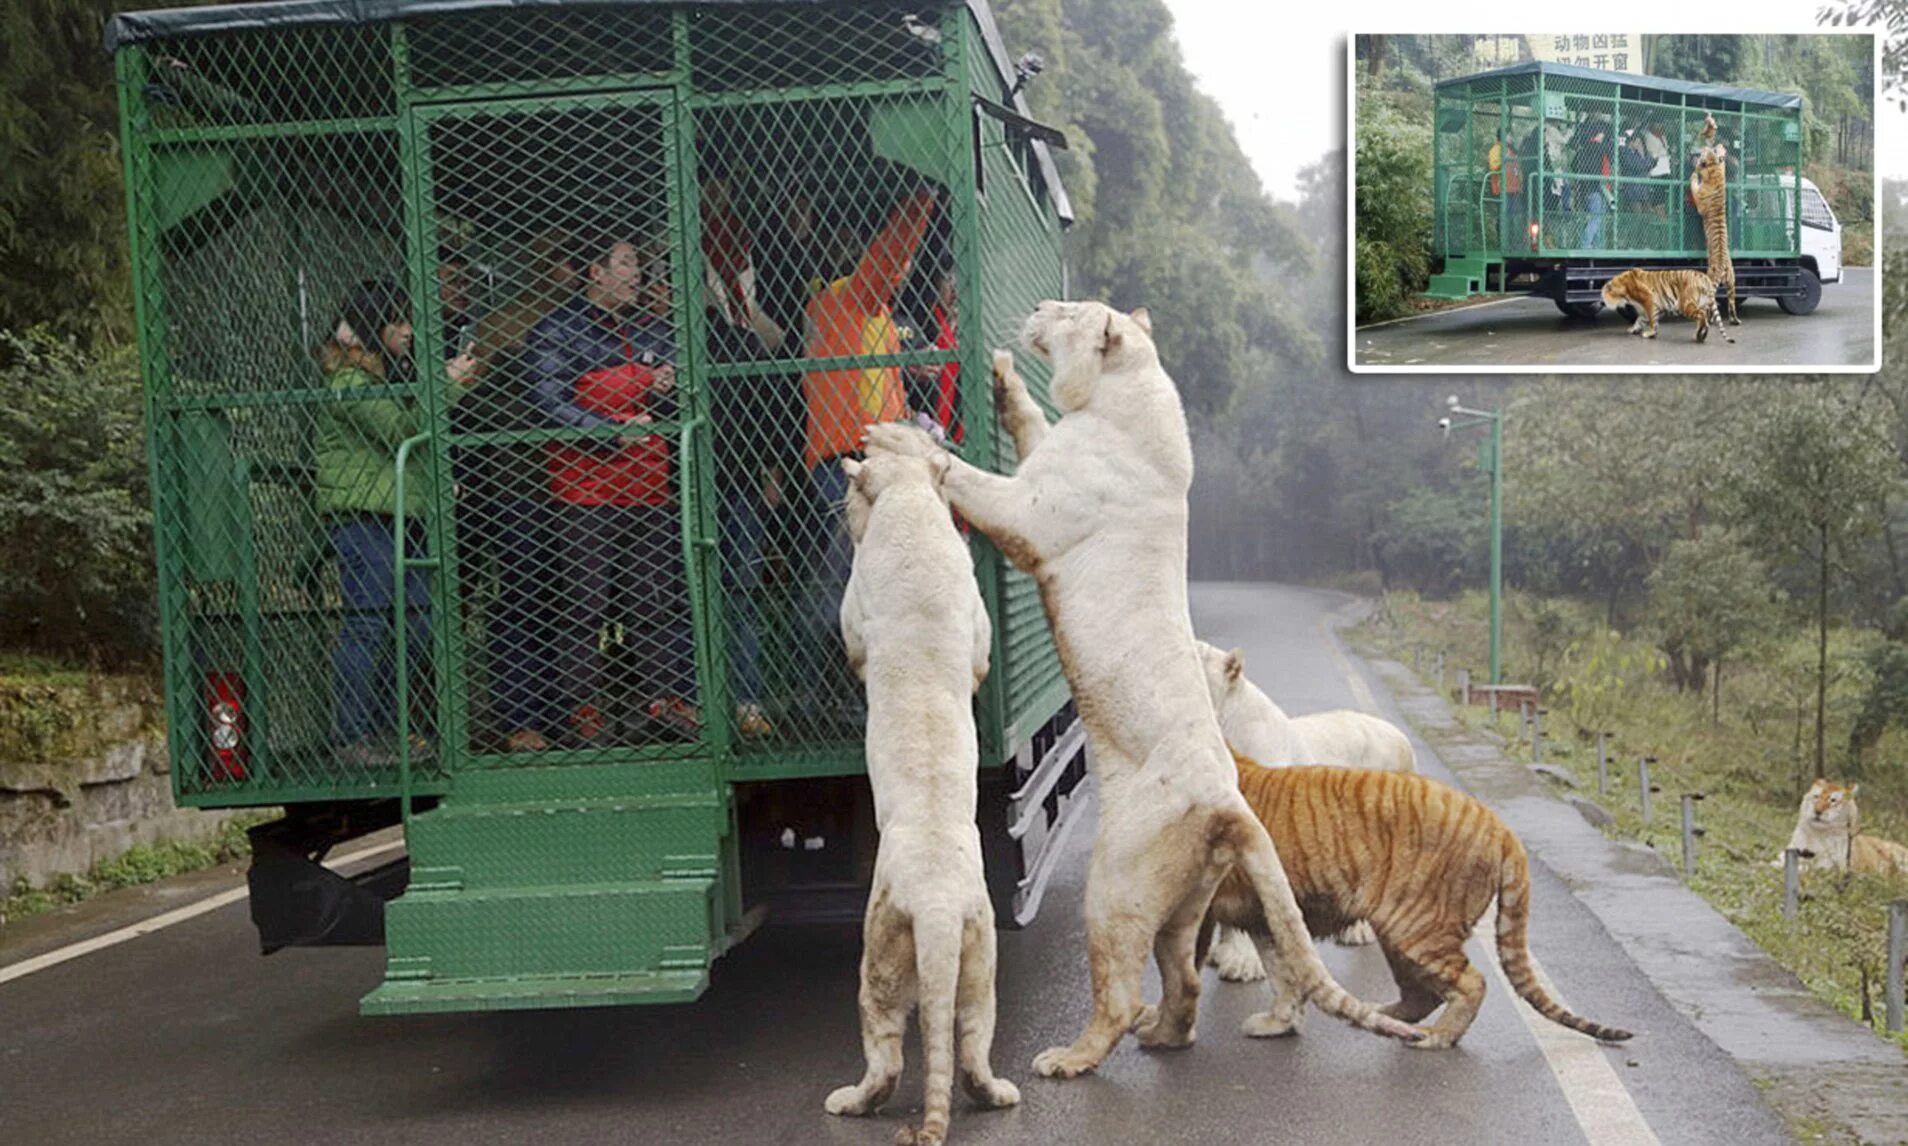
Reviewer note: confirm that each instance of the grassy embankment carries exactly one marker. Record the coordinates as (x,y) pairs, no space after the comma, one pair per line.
(1750,757)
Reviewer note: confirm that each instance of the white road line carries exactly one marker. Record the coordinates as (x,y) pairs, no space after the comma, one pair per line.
(1599,1100)
(1435,313)
(27,967)
(1361,692)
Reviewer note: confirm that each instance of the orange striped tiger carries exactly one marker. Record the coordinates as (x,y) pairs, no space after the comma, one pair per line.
(1707,188)
(1689,293)
(1421,861)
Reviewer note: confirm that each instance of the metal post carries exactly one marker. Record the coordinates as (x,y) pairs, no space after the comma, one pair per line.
(1689,834)
(1603,767)
(1897,950)
(1440,672)
(1497,546)
(1493,706)
(1643,783)
(1791,880)
(1417,659)
(1536,735)
(1464,687)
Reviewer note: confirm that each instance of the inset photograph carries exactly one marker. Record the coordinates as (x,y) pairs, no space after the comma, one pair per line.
(1613,202)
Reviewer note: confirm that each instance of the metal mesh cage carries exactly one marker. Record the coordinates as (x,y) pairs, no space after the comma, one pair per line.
(533,336)
(1549,161)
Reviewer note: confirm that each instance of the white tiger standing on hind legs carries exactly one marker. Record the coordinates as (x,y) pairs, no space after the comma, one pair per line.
(1096,513)
(917,633)
(1257,728)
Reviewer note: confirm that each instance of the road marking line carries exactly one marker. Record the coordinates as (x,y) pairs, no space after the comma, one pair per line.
(1361,692)
(27,967)
(1435,313)
(1598,1099)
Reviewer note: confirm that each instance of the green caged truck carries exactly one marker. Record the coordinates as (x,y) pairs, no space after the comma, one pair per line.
(538,310)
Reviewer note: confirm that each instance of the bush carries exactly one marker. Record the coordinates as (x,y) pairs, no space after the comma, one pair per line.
(75,529)
(1393,212)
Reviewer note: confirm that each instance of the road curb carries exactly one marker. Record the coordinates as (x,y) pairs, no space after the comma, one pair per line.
(1824,1073)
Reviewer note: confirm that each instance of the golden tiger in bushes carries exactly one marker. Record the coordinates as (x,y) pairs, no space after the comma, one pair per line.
(1691,294)
(1421,861)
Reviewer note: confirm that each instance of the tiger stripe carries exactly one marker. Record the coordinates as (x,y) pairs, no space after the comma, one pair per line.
(1419,860)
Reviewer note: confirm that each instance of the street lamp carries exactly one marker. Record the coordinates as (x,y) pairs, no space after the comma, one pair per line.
(1490,458)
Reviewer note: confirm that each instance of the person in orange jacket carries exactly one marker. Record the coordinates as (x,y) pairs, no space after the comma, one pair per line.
(850,316)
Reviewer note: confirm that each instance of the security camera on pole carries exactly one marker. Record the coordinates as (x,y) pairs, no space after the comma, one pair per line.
(1490,458)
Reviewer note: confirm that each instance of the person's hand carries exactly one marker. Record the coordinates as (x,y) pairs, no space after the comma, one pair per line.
(664,378)
(635,425)
(462,369)
(772,488)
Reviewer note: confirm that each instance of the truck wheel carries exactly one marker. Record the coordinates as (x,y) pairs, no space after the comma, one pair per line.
(1811,295)
(1628,312)
(1584,310)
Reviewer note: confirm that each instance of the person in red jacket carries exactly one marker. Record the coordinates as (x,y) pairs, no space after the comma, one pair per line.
(607,358)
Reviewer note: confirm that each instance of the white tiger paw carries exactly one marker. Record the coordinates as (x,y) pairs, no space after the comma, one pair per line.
(1358,934)
(1236,958)
(847,1100)
(1266,1025)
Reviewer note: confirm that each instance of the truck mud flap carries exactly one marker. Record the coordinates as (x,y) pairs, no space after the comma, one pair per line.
(298,902)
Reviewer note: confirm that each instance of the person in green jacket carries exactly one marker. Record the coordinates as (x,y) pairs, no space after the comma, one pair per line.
(357,443)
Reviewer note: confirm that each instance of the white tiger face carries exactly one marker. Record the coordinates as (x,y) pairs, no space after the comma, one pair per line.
(1829,805)
(1085,341)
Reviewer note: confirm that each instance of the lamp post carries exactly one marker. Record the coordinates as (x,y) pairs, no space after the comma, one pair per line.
(1490,458)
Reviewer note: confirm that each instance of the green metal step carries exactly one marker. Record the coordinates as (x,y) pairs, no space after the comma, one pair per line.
(590,929)
(533,991)
(603,840)
(1461,278)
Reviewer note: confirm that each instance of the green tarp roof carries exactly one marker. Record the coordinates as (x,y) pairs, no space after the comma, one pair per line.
(1632,80)
(284,15)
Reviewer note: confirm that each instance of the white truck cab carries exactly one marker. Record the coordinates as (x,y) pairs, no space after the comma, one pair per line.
(1821,234)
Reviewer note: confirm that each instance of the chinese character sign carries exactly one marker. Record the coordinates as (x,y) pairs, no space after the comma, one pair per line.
(1607,51)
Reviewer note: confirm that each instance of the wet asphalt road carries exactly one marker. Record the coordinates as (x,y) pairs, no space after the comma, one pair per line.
(188,1035)
(1525,331)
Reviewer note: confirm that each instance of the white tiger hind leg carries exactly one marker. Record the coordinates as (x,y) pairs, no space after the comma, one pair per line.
(1286,1015)
(1235,957)
(887,995)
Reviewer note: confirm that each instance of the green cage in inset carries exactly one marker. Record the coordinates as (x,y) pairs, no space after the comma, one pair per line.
(1541,167)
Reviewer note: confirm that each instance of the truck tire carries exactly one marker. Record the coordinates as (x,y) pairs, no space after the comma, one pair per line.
(1810,298)
(1584,310)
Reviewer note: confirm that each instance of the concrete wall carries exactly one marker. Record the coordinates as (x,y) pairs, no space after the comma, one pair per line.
(84,776)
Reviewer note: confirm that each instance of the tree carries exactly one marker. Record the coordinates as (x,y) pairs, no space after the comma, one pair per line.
(1892,15)
(1708,597)
(1812,478)
(62,211)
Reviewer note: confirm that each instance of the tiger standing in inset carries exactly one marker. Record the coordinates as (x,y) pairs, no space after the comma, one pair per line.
(1689,293)
(1707,188)
(1421,861)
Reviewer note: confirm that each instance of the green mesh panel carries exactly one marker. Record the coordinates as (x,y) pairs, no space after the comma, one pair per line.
(1567,204)
(603,566)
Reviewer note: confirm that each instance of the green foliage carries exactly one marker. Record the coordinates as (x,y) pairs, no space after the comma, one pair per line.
(1599,676)
(1444,538)
(1170,214)
(1884,702)
(1708,598)
(62,211)
(1393,210)
(75,559)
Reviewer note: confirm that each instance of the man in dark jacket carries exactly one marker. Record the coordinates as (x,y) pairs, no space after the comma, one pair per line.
(606,358)
(1592,158)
